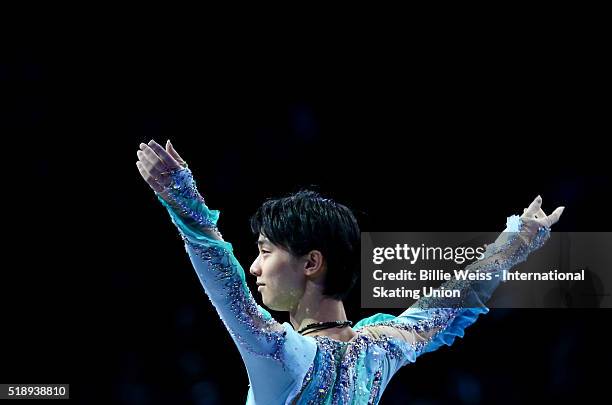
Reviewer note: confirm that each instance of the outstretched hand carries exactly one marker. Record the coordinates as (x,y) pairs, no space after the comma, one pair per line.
(155,164)
(534,217)
(535,213)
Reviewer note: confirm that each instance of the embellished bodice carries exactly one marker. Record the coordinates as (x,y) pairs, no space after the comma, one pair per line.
(343,372)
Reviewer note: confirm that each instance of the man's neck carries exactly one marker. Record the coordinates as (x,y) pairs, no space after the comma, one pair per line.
(313,308)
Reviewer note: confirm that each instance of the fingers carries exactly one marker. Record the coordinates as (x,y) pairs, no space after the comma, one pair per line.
(156,169)
(554,217)
(153,165)
(170,149)
(147,160)
(535,213)
(164,156)
(150,154)
(149,178)
(154,162)
(533,208)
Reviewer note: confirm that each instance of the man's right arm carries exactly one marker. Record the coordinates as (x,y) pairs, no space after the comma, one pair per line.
(271,351)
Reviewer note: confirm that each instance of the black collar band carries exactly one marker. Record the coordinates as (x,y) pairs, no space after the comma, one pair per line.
(317,326)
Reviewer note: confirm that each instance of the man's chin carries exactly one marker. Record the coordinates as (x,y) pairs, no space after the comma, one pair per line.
(266,303)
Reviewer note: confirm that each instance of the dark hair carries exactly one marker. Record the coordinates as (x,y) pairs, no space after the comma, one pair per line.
(306,221)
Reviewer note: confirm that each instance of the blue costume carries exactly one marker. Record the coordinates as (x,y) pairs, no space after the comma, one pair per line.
(285,367)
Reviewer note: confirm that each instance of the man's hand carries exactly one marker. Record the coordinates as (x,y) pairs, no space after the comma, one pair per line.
(534,217)
(155,163)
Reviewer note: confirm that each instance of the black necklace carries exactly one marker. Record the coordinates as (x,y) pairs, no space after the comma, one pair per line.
(317,326)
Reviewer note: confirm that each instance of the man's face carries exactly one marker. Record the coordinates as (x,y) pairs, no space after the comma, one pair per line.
(280,273)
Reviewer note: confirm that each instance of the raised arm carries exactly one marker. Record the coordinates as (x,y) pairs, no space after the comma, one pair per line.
(269,349)
(432,322)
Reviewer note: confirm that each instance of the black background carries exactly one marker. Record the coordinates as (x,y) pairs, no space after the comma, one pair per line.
(98,291)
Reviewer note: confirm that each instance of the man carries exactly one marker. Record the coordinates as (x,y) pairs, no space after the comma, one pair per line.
(307,263)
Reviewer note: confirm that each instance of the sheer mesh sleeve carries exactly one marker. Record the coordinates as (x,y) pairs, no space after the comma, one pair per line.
(435,321)
(269,349)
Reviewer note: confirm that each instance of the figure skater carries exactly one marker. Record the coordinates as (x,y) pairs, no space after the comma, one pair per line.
(308,262)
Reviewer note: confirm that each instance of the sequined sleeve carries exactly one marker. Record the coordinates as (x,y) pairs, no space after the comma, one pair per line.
(433,322)
(271,351)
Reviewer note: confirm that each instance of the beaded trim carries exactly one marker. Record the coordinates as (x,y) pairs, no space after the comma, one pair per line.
(182,193)
(512,252)
(269,334)
(335,365)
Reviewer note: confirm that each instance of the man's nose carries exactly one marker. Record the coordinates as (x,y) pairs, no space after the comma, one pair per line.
(255,269)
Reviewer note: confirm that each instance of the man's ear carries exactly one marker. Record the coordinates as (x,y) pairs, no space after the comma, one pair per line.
(314,263)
